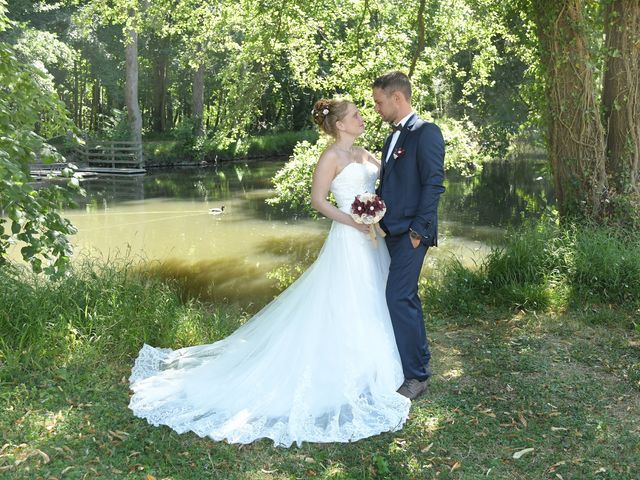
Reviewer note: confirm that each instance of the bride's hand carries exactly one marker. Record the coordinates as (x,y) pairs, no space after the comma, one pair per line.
(362,227)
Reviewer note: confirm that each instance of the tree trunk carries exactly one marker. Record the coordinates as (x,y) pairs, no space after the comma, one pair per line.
(621,94)
(575,136)
(95,106)
(160,86)
(420,46)
(76,90)
(198,100)
(168,123)
(131,85)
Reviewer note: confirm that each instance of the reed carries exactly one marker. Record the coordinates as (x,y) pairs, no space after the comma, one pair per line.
(106,307)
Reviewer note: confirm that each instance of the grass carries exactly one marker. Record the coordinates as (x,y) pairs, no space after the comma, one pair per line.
(536,355)
(569,391)
(183,147)
(544,267)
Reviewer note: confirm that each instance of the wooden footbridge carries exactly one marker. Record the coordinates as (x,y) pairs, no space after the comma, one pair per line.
(121,157)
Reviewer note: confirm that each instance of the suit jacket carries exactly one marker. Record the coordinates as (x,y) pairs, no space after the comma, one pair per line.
(411,182)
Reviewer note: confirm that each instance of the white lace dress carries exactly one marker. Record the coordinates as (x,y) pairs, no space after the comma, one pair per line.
(318,364)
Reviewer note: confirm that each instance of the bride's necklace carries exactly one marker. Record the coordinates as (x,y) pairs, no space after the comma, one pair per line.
(348,151)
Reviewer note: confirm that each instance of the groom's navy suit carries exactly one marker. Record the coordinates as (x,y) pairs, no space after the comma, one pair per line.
(411,183)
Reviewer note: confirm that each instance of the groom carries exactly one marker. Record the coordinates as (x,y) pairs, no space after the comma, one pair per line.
(411,182)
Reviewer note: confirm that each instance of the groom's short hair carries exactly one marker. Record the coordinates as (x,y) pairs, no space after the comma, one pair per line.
(394,81)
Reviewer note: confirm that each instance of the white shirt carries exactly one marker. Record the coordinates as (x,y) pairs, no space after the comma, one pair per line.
(396,134)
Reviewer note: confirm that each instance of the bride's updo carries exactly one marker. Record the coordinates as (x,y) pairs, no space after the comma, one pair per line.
(327,112)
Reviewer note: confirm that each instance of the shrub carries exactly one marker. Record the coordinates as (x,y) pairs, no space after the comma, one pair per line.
(292,183)
(540,266)
(110,308)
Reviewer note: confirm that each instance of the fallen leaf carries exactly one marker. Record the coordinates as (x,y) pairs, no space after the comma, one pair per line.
(553,467)
(150,477)
(455,466)
(427,448)
(559,429)
(522,419)
(522,452)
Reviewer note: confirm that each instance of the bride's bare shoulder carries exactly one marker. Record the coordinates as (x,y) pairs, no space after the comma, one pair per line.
(328,162)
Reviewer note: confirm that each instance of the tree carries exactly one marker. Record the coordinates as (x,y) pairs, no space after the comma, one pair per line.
(621,94)
(131,83)
(576,136)
(28,112)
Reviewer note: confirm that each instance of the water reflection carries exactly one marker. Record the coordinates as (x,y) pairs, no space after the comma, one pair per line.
(503,194)
(239,279)
(248,253)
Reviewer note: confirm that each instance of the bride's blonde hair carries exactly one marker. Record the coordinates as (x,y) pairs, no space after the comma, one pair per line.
(326,113)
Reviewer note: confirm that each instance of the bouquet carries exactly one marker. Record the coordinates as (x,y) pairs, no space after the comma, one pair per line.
(368,209)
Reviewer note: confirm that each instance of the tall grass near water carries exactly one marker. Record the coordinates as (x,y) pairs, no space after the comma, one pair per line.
(104,309)
(540,267)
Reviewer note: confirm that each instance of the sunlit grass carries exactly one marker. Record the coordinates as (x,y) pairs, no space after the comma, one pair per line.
(507,377)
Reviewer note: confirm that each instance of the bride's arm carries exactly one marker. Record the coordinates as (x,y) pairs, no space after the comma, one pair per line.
(323,175)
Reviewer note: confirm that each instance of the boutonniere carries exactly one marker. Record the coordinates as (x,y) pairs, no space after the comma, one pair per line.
(398,152)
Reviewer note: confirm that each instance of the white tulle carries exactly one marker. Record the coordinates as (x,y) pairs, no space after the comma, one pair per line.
(318,364)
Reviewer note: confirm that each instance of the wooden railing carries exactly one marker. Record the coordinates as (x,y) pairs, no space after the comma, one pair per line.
(113,153)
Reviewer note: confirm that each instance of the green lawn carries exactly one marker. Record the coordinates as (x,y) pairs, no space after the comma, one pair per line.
(567,391)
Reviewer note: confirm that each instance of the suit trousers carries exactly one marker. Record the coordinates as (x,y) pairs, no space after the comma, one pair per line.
(405,307)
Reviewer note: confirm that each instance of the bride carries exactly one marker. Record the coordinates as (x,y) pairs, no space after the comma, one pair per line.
(320,362)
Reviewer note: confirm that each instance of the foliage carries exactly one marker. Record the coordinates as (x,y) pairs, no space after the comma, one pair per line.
(292,184)
(27,112)
(265,63)
(184,148)
(463,154)
(543,266)
(110,308)
(501,384)
(116,126)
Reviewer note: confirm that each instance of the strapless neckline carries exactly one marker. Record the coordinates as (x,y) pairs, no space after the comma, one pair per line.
(347,166)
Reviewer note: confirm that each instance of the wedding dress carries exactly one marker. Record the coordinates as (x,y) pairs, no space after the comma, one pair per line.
(317,364)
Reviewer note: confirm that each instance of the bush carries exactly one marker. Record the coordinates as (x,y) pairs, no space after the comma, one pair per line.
(605,267)
(272,145)
(183,147)
(292,183)
(463,153)
(109,308)
(541,266)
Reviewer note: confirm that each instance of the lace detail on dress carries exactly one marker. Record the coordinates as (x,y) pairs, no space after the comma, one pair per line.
(148,362)
(318,364)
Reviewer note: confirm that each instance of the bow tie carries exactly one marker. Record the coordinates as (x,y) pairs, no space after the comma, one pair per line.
(396,128)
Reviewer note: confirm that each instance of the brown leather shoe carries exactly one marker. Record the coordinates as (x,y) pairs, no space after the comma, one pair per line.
(412,388)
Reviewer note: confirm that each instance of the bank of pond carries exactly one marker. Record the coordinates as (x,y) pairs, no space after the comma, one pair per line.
(113,305)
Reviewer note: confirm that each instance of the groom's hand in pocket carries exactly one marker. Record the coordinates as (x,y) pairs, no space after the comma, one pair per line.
(415,238)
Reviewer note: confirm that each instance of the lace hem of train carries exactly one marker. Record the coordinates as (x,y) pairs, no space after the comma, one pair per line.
(361,415)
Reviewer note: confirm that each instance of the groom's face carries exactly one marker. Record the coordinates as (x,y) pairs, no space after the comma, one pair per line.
(385,105)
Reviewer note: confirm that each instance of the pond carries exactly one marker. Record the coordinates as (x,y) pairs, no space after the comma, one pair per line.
(248,252)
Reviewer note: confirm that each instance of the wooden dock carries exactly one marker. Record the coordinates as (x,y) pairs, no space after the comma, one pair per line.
(98,158)
(111,171)
(122,157)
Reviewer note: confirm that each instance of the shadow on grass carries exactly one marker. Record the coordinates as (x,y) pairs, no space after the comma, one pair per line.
(501,384)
